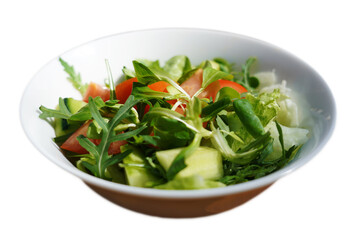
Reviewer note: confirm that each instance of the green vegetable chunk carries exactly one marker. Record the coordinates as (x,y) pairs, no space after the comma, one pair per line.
(74,105)
(64,126)
(136,173)
(248,117)
(205,162)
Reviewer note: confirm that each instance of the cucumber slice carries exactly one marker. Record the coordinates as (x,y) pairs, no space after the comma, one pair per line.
(135,175)
(63,126)
(74,105)
(205,162)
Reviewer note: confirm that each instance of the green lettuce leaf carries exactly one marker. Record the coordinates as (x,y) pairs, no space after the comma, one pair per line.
(171,133)
(177,66)
(265,105)
(291,136)
(210,75)
(225,66)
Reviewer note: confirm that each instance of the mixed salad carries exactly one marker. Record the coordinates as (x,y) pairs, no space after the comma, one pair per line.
(179,126)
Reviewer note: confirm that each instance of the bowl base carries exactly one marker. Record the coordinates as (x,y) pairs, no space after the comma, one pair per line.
(177,208)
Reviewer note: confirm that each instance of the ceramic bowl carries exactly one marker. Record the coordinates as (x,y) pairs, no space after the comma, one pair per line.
(50,83)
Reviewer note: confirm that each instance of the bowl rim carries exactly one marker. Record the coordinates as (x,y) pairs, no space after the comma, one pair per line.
(187,194)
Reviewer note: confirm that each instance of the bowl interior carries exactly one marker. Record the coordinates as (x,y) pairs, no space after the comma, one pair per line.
(50,82)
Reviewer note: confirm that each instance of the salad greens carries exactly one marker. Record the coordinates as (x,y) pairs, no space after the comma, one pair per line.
(177,126)
(73,77)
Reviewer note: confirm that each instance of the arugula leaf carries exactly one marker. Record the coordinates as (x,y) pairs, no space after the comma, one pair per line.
(63,111)
(239,173)
(74,77)
(82,115)
(146,139)
(127,135)
(100,152)
(260,166)
(48,113)
(111,81)
(248,172)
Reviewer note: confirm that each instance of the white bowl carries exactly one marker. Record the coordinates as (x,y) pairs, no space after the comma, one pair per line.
(50,83)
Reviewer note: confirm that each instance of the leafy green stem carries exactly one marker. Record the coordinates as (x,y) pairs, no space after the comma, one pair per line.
(74,77)
(111,80)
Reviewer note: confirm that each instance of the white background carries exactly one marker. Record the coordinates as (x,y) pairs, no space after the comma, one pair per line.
(321,200)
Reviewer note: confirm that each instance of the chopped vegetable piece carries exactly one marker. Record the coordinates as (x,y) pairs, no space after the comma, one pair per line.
(124,89)
(95,90)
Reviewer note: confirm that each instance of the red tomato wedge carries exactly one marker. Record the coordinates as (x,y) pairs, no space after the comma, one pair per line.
(193,84)
(73,145)
(115,147)
(124,89)
(210,91)
(238,87)
(95,90)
